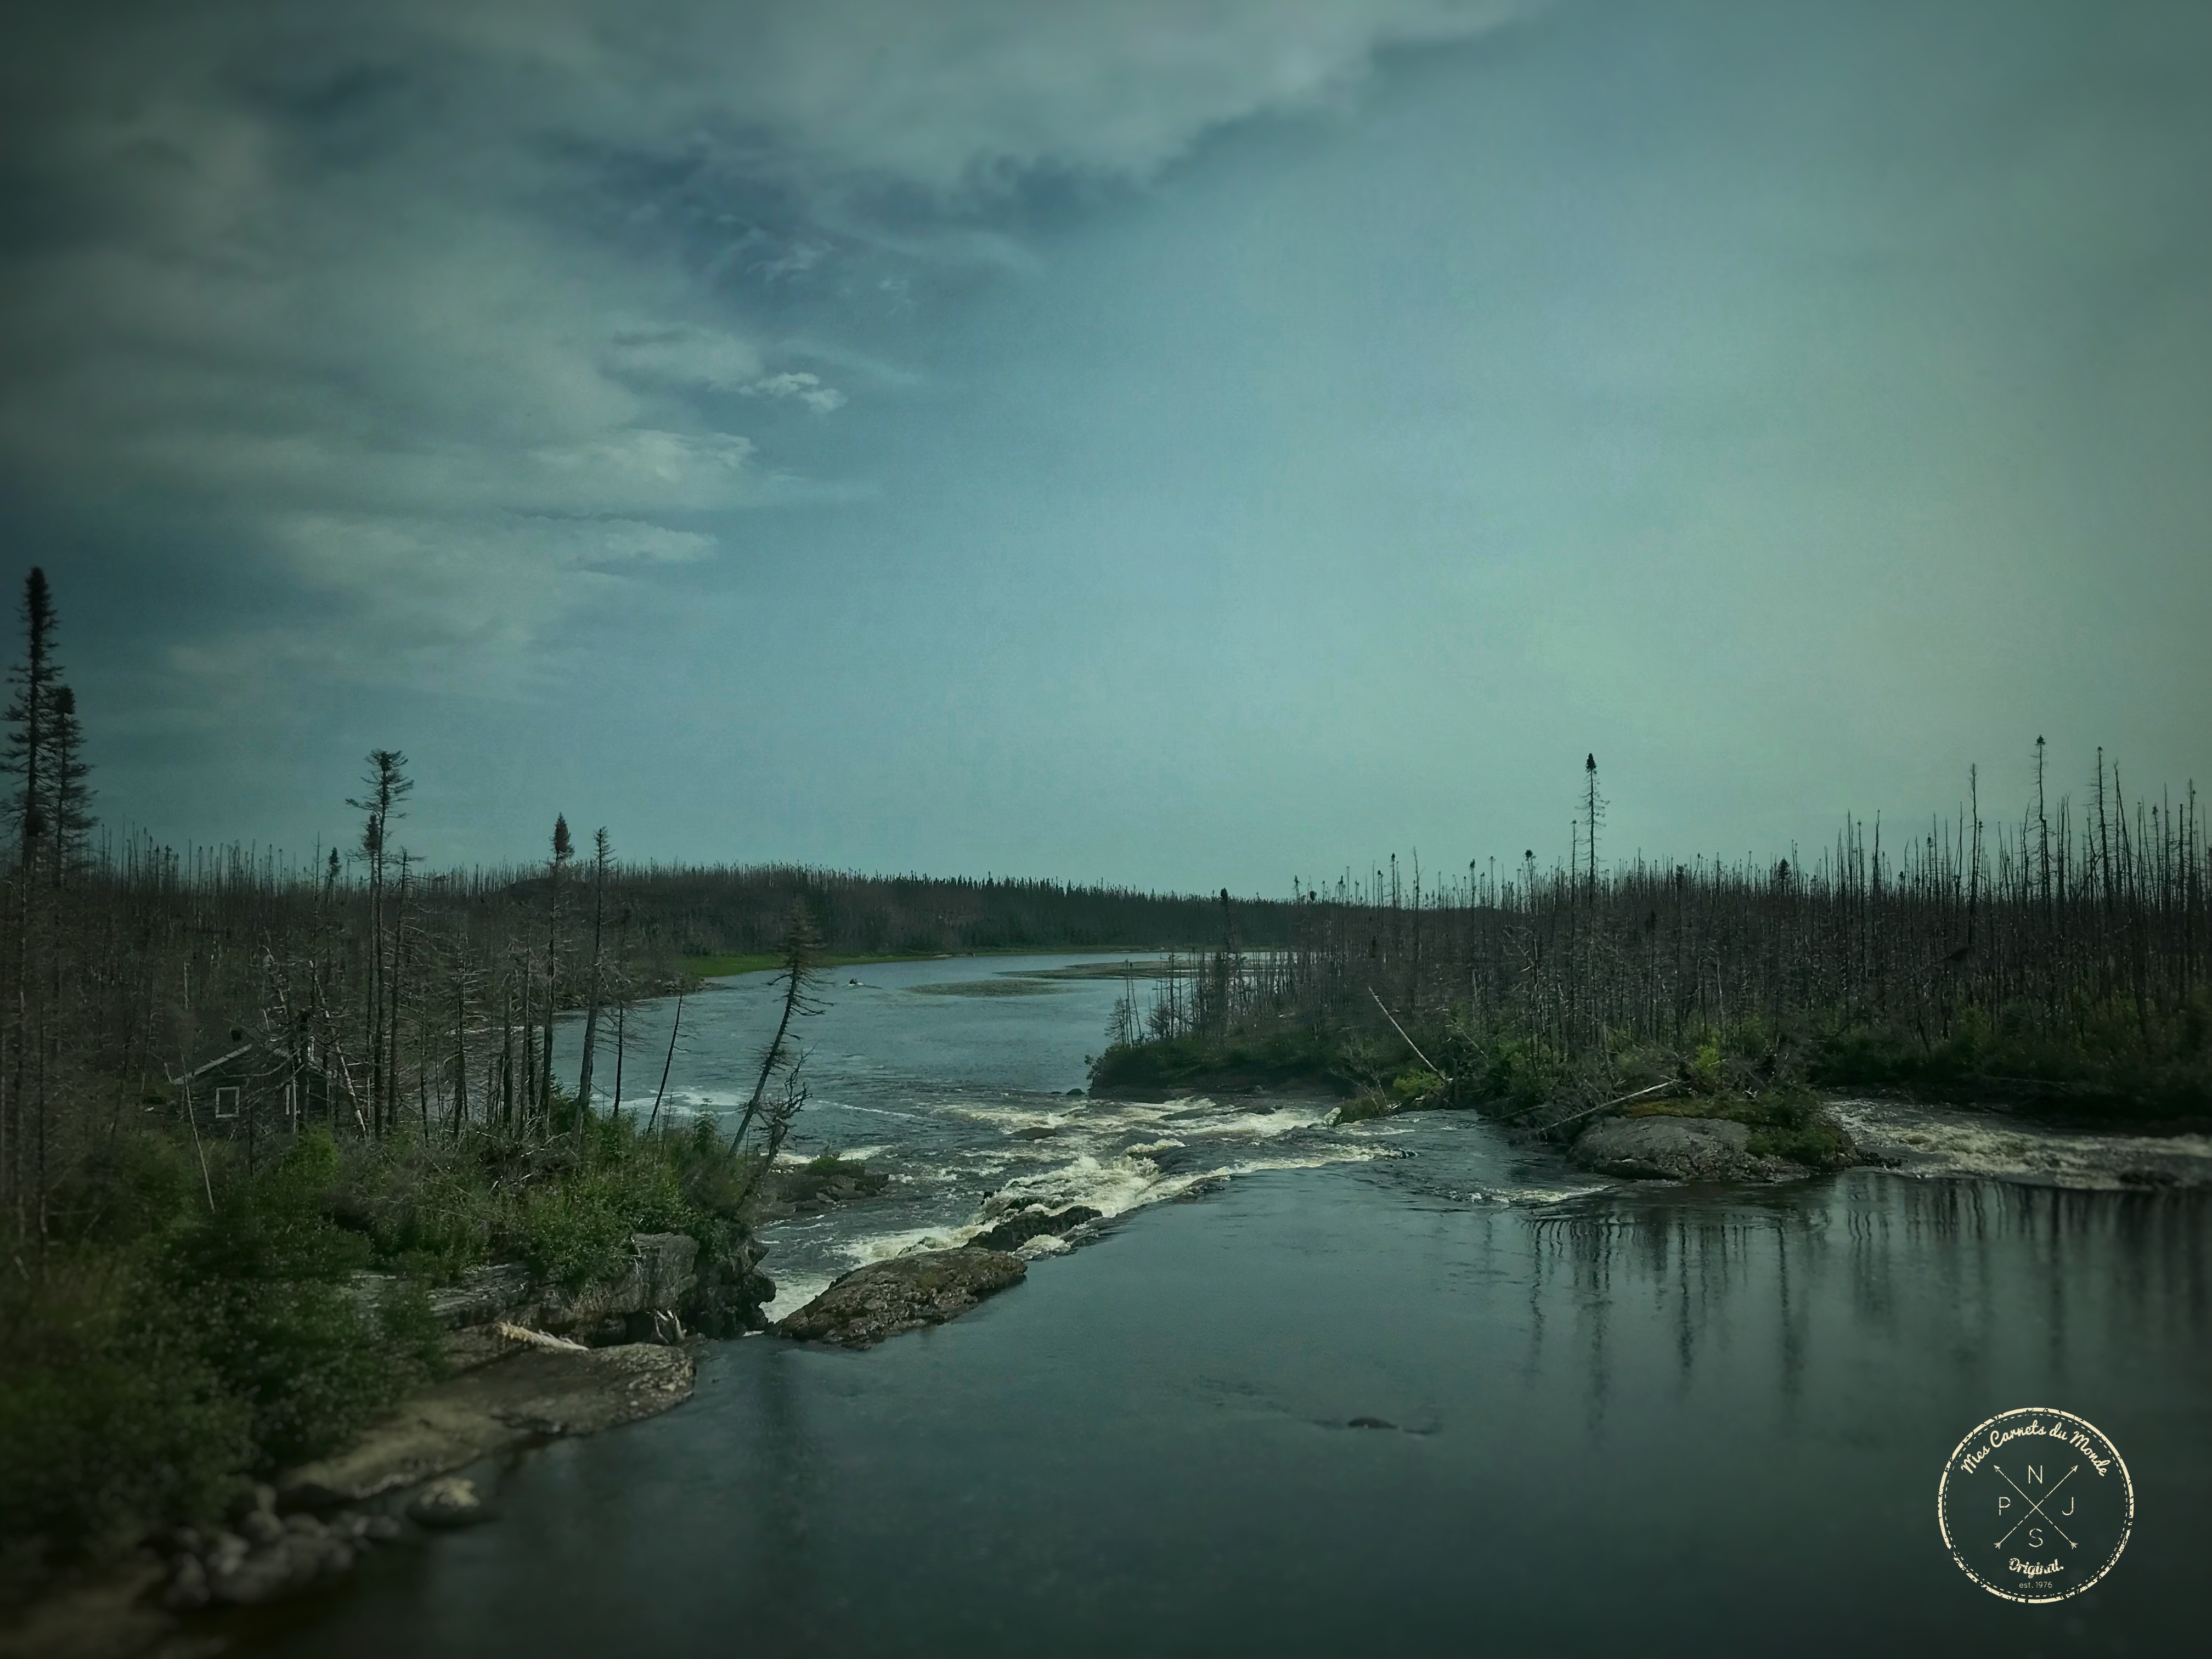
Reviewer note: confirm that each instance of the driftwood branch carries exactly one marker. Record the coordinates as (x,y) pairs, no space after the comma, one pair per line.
(1606,1105)
(1410,1043)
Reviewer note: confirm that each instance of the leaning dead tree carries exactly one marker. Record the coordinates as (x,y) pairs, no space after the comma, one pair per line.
(779,1090)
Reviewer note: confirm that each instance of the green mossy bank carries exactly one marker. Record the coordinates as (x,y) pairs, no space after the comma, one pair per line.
(221,1322)
(2122,1069)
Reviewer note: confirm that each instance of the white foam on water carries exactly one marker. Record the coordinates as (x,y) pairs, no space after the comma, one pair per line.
(1114,1185)
(1934,1141)
(1536,1198)
(795,1292)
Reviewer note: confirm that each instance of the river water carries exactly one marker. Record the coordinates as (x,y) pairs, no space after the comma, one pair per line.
(1594,1420)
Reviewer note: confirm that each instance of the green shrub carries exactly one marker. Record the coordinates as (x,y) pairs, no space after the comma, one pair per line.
(264,1290)
(570,1236)
(204,1326)
(1417,1084)
(111,1422)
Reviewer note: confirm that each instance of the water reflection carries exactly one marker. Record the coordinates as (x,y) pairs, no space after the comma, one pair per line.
(1982,1269)
(1668,1421)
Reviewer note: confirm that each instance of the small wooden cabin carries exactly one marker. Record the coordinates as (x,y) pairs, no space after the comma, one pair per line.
(255,1090)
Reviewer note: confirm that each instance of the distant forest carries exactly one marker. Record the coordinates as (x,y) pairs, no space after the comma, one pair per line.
(697,912)
(376,993)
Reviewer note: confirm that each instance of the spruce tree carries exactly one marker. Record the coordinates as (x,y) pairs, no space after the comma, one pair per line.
(30,719)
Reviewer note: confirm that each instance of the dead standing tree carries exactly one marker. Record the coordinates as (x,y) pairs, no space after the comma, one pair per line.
(602,856)
(779,1091)
(563,850)
(388,786)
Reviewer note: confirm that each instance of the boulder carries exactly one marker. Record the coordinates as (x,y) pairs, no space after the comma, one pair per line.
(903,1294)
(1661,1148)
(266,1558)
(731,1291)
(1016,1231)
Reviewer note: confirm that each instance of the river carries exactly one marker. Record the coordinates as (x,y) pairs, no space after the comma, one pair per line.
(1593,1419)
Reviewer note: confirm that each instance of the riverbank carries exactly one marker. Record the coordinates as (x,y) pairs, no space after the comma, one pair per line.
(233,1319)
(1400,1401)
(1770,1081)
(315,1526)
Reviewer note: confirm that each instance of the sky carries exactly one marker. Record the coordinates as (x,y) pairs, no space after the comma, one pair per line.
(1183,443)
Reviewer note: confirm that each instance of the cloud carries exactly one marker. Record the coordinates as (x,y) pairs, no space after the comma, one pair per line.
(807,388)
(430,304)
(685,355)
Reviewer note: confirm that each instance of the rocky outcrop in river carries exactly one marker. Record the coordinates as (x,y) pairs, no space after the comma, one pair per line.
(906,1293)
(1678,1149)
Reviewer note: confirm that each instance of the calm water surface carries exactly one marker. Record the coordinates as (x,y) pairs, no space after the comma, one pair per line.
(1658,1421)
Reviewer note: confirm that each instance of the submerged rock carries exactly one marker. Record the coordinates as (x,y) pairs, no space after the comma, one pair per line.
(1678,1149)
(1016,1231)
(903,1294)
(452,1502)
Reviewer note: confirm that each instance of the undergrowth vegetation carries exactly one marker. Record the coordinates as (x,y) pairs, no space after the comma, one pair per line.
(215,1323)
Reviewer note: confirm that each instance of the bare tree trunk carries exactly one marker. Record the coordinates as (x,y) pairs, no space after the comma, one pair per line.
(600,851)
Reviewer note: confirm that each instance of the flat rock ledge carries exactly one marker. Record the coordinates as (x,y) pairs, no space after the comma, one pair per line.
(1678,1149)
(537,1394)
(906,1293)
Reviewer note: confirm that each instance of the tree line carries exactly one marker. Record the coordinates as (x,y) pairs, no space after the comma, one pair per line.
(394,996)
(2059,953)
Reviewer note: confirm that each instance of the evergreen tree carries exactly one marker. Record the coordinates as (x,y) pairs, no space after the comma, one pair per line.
(30,719)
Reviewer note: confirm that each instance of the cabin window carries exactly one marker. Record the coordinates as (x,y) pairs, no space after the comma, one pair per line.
(226,1103)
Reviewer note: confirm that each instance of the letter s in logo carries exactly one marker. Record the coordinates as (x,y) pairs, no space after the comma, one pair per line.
(2035,1538)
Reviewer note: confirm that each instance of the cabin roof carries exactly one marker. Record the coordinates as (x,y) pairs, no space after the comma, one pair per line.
(219,1062)
(252,1052)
